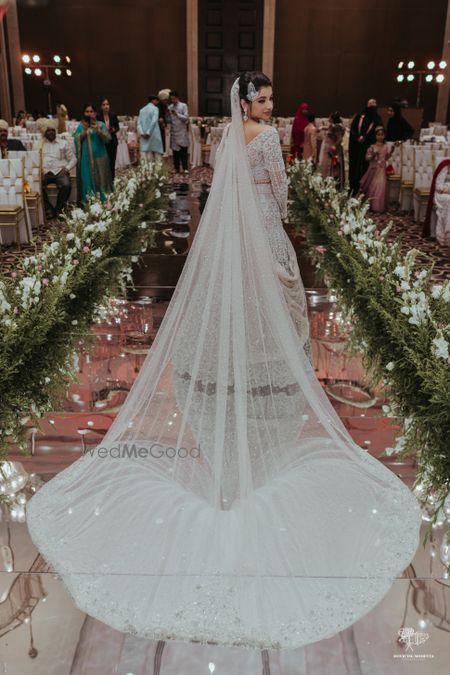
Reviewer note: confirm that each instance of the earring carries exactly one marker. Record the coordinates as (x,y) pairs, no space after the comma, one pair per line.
(245,115)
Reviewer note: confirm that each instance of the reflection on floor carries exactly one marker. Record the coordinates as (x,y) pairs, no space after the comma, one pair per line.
(42,632)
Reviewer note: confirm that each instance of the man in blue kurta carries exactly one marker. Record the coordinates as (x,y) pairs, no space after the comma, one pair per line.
(150,141)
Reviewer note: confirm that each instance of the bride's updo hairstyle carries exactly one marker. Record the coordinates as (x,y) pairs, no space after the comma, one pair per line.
(254,77)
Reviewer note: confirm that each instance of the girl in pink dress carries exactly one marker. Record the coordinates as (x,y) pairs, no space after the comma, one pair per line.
(374,182)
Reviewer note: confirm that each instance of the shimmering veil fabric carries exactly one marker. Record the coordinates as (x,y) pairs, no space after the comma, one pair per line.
(227,503)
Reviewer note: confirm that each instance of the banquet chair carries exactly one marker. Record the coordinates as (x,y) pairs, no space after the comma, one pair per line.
(32,187)
(394,179)
(13,224)
(423,175)
(195,142)
(407,176)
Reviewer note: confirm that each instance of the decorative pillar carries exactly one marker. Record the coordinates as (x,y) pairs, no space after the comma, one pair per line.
(192,55)
(5,96)
(444,88)
(268,37)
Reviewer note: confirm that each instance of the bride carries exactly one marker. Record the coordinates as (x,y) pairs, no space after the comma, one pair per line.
(227,503)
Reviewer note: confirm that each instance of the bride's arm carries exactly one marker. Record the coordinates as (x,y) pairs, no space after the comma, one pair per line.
(274,164)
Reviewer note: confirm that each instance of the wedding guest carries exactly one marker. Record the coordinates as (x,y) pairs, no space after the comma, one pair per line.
(398,129)
(178,117)
(111,122)
(362,136)
(21,118)
(58,160)
(6,143)
(331,159)
(440,200)
(298,130)
(374,181)
(63,116)
(310,144)
(163,96)
(93,172)
(150,141)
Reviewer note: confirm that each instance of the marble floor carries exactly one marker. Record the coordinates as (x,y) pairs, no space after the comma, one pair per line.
(41,630)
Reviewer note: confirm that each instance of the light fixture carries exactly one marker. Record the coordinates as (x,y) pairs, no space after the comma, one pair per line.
(57,59)
(400,78)
(58,71)
(411,64)
(410,77)
(26,58)
(28,71)
(440,78)
(36,58)
(442,64)
(37,72)
(68,59)
(428,78)
(400,65)
(68,72)
(431,65)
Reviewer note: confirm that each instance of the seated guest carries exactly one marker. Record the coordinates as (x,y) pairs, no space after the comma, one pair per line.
(93,172)
(440,200)
(21,118)
(8,143)
(58,159)
(310,144)
(106,115)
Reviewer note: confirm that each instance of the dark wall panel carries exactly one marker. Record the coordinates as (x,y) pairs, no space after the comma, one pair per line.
(336,53)
(123,49)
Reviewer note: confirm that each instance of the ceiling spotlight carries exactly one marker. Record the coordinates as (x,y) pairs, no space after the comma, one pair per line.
(58,71)
(410,77)
(26,58)
(411,64)
(400,65)
(36,58)
(38,72)
(68,59)
(68,72)
(428,78)
(442,64)
(431,65)
(57,59)
(28,71)
(400,78)
(440,78)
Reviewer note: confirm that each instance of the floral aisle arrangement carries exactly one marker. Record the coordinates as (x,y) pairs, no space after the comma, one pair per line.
(49,301)
(400,319)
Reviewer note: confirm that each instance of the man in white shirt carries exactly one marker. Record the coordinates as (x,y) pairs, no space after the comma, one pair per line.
(58,159)
(178,118)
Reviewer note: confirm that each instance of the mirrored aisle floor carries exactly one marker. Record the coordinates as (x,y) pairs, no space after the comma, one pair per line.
(43,633)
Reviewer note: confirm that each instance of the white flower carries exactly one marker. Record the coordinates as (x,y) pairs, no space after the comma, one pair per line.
(172,196)
(134,258)
(95,209)
(157,194)
(78,214)
(440,347)
(74,322)
(54,247)
(400,271)
(390,365)
(70,236)
(97,253)
(72,296)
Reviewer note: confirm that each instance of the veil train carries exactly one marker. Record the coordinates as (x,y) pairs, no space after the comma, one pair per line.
(227,503)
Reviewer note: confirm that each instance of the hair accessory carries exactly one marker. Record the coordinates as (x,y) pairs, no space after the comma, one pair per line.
(252,94)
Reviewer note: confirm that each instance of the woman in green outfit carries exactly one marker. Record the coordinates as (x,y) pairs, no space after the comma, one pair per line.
(93,170)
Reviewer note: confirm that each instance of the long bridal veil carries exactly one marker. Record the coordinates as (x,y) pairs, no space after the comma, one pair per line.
(227,503)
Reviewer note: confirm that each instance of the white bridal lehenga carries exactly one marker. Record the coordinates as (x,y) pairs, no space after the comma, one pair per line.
(228,504)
